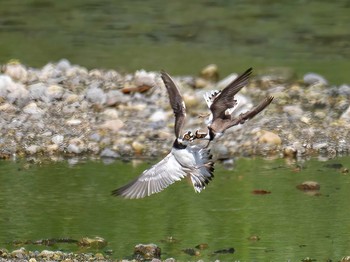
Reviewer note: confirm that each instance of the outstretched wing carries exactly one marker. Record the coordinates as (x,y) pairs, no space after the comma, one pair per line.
(153,180)
(176,101)
(226,99)
(251,113)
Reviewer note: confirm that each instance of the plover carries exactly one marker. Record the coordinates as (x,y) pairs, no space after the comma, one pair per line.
(223,103)
(184,159)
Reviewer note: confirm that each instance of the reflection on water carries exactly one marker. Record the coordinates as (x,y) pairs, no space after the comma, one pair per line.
(180,36)
(56,200)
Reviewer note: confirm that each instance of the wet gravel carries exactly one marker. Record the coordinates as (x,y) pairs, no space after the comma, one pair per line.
(64,110)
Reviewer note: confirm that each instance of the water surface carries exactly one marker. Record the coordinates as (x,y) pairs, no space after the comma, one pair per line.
(59,200)
(180,36)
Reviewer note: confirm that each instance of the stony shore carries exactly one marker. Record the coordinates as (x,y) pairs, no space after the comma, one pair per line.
(64,110)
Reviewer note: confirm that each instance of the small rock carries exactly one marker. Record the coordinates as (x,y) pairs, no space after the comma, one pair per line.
(32,109)
(269,138)
(138,147)
(309,186)
(313,78)
(143,78)
(32,149)
(16,71)
(73,122)
(96,95)
(108,153)
(158,116)
(289,151)
(72,148)
(191,252)
(254,238)
(54,92)
(19,253)
(230,250)
(147,251)
(210,72)
(202,246)
(7,108)
(57,139)
(37,91)
(113,125)
(96,242)
(110,113)
(72,98)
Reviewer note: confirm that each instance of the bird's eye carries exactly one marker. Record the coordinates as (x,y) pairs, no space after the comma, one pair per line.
(186,137)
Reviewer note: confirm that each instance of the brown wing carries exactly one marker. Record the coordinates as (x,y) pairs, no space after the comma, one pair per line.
(176,102)
(250,114)
(226,99)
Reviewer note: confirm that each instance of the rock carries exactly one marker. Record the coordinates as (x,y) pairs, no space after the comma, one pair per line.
(313,78)
(289,151)
(191,252)
(158,116)
(138,147)
(96,242)
(346,115)
(73,122)
(309,186)
(19,253)
(57,139)
(270,138)
(33,109)
(210,72)
(7,108)
(146,251)
(37,91)
(16,71)
(96,95)
(72,98)
(115,97)
(230,250)
(294,111)
(202,246)
(32,149)
(63,65)
(54,92)
(112,125)
(108,153)
(76,146)
(143,78)
(110,113)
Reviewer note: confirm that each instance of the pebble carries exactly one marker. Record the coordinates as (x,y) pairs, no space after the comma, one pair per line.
(313,78)
(96,95)
(57,139)
(54,92)
(108,153)
(112,125)
(210,72)
(32,109)
(269,138)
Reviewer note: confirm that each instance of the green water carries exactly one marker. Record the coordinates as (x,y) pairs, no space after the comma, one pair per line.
(58,200)
(181,36)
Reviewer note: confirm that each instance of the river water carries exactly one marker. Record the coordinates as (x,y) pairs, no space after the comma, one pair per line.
(63,200)
(181,36)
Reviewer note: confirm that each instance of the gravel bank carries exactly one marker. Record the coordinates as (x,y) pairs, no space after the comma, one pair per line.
(64,110)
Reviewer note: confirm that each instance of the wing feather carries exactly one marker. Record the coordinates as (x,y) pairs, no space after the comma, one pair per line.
(226,99)
(153,180)
(176,101)
(251,113)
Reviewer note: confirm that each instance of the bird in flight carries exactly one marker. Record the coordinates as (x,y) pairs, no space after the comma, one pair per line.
(184,159)
(223,103)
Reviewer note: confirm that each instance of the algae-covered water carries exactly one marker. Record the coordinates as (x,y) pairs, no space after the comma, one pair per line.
(180,36)
(61,200)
